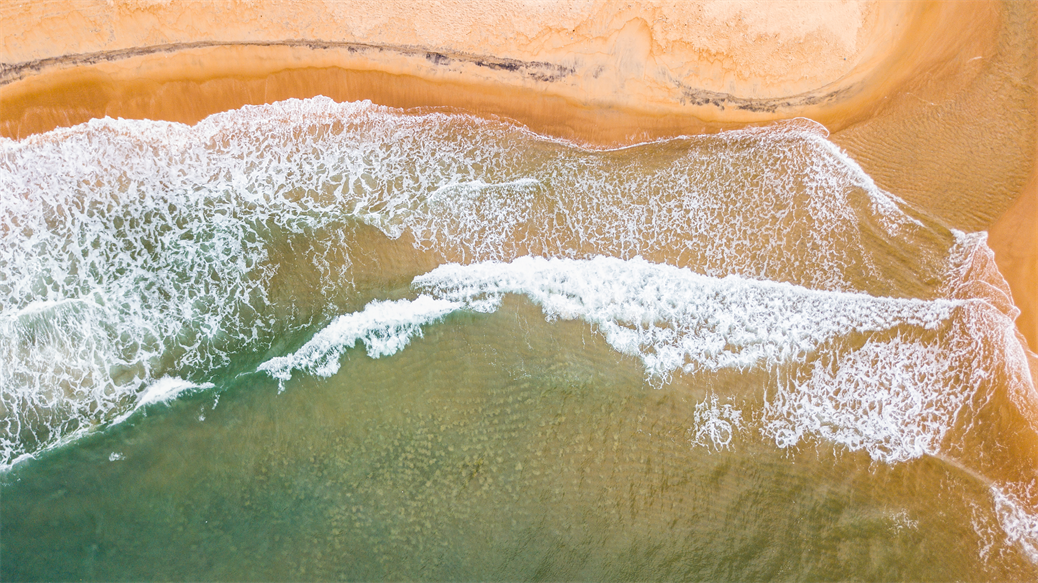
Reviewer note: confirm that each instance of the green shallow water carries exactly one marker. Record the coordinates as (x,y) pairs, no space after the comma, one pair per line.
(828,388)
(497,447)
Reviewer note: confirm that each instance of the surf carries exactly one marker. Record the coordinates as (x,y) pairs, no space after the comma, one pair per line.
(144,260)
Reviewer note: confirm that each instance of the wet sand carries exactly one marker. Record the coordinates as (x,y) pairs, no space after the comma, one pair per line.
(936,100)
(1014,239)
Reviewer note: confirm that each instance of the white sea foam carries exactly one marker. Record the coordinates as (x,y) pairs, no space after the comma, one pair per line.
(1019,525)
(887,376)
(895,398)
(672,318)
(891,377)
(779,203)
(163,390)
(133,253)
(385,328)
(132,250)
(669,317)
(713,425)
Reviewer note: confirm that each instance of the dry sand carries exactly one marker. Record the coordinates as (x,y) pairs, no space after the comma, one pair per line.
(936,100)
(652,55)
(696,65)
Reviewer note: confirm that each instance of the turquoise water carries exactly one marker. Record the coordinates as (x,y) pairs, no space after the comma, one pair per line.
(336,341)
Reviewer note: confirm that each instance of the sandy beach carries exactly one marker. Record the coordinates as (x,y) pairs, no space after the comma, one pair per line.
(519,290)
(936,100)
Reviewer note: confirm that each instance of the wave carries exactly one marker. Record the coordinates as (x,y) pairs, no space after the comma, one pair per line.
(870,373)
(163,390)
(165,249)
(384,327)
(780,203)
(896,378)
(136,251)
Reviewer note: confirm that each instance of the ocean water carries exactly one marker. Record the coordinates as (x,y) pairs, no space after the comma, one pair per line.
(314,340)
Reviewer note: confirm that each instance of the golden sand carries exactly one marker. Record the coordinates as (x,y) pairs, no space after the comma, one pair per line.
(651,55)
(718,62)
(936,100)
(1014,238)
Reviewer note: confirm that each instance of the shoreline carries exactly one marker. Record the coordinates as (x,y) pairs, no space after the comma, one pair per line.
(936,100)
(1014,239)
(98,90)
(693,64)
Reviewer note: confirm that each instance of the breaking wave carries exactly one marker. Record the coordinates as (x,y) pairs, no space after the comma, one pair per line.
(896,378)
(139,259)
(134,250)
(884,375)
